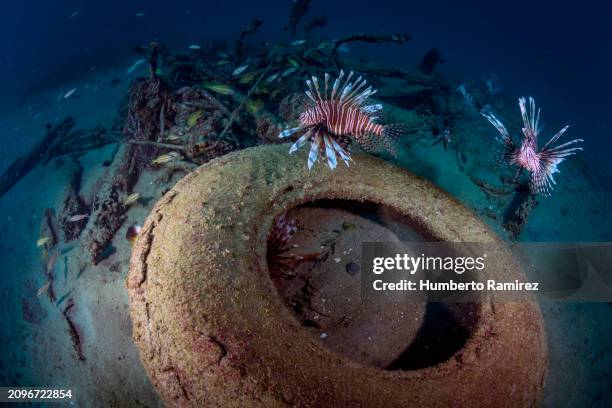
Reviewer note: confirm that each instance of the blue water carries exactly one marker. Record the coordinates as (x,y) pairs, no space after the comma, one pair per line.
(561,54)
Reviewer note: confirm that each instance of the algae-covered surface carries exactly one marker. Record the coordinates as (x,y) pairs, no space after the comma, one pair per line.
(211,329)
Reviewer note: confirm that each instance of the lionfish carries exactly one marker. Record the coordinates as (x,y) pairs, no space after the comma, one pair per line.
(540,163)
(281,262)
(336,114)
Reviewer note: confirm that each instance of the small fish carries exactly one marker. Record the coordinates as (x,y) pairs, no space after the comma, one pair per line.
(240,70)
(288,71)
(134,66)
(297,42)
(43,241)
(219,88)
(43,289)
(221,63)
(293,62)
(272,77)
(132,232)
(76,13)
(254,106)
(165,158)
(78,217)
(193,118)
(70,93)
(344,49)
(323,45)
(172,137)
(131,199)
(247,78)
(195,47)
(223,55)
(139,14)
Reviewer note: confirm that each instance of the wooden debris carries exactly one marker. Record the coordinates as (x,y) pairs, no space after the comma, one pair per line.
(74,330)
(399,38)
(24,165)
(297,10)
(519,209)
(318,21)
(48,228)
(80,141)
(431,59)
(74,205)
(248,30)
(108,210)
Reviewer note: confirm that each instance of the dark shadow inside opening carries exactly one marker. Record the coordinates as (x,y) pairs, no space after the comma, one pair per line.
(316,270)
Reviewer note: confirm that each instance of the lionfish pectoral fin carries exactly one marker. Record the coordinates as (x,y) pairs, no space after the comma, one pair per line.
(542,181)
(503,132)
(289,132)
(330,153)
(556,137)
(315,147)
(300,142)
(343,154)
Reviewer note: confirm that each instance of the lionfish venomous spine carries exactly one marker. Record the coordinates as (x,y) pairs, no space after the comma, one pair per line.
(335,115)
(540,163)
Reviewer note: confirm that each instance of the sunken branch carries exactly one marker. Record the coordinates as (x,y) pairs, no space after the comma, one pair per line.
(372,38)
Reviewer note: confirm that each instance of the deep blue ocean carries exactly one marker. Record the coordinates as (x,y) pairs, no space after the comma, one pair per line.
(69,72)
(558,52)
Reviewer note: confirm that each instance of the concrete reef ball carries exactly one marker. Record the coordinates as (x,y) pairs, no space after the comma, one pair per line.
(213,332)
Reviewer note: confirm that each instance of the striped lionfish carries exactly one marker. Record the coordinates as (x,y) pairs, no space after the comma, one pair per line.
(540,163)
(336,115)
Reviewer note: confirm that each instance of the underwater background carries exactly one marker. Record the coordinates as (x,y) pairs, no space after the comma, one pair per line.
(79,60)
(559,53)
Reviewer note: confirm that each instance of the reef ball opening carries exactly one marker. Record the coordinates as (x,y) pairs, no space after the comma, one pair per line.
(317,273)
